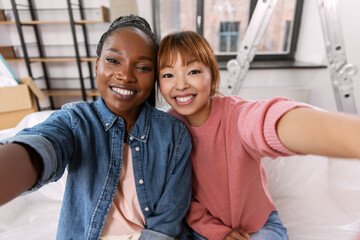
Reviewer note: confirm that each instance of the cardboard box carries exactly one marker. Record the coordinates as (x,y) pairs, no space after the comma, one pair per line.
(7,52)
(18,101)
(2,15)
(122,7)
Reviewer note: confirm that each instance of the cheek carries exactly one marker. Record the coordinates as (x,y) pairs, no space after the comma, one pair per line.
(202,83)
(164,88)
(206,82)
(146,80)
(100,83)
(99,67)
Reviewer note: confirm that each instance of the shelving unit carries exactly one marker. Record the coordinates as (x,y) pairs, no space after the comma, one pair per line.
(104,18)
(44,60)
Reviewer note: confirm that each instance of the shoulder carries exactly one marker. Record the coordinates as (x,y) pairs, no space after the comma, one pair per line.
(227,106)
(224,102)
(238,104)
(77,112)
(75,105)
(79,108)
(172,112)
(161,115)
(166,120)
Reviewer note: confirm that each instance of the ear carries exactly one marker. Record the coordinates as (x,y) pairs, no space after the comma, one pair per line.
(96,66)
(212,89)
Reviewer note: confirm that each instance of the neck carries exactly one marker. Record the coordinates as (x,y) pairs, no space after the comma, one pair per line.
(130,122)
(129,119)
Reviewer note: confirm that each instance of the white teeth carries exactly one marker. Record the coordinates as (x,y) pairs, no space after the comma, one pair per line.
(123,91)
(184,99)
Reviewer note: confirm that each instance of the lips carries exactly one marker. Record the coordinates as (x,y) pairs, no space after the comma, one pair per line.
(184,99)
(123,91)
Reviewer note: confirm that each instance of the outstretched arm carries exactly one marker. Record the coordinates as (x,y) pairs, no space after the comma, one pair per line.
(310,131)
(17,171)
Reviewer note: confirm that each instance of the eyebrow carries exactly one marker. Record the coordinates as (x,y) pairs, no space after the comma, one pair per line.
(120,52)
(191,62)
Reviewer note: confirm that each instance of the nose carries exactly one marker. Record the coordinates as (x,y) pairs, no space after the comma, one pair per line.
(182,83)
(126,75)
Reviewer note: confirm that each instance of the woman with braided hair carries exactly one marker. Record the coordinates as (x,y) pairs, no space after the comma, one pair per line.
(125,159)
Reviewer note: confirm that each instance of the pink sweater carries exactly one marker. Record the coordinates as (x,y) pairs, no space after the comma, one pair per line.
(230,186)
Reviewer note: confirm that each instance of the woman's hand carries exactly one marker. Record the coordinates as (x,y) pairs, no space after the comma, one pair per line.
(237,234)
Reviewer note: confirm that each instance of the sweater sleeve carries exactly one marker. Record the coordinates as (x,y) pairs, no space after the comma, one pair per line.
(273,115)
(207,225)
(256,126)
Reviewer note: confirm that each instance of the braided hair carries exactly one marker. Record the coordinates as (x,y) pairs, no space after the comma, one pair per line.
(128,21)
(132,21)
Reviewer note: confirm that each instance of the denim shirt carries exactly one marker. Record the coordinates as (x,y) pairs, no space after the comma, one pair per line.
(87,139)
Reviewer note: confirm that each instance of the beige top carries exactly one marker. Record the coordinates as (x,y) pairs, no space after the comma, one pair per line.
(125,216)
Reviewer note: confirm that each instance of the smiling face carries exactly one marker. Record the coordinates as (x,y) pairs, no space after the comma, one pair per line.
(126,71)
(186,87)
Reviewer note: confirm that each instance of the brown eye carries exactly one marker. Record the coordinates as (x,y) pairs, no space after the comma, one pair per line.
(144,68)
(111,60)
(167,75)
(194,72)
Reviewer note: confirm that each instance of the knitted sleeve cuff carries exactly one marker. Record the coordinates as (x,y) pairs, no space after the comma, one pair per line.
(274,113)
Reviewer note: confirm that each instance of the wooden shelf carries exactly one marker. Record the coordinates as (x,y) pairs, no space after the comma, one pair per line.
(102,16)
(58,59)
(70,92)
(14,59)
(6,22)
(52,22)
(103,11)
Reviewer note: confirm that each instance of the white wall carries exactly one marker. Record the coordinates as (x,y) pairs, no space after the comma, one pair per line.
(286,82)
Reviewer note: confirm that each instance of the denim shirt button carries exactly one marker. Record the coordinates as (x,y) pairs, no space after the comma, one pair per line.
(141,181)
(131,138)
(142,137)
(106,124)
(147,209)
(137,149)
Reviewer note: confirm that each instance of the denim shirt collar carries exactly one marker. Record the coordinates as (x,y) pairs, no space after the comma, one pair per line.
(142,125)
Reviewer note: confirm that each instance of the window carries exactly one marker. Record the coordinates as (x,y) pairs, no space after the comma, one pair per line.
(229,36)
(224,22)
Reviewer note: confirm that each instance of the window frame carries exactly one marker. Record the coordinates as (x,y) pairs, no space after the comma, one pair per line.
(289,56)
(228,34)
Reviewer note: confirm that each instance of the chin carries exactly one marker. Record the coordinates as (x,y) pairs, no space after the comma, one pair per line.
(182,111)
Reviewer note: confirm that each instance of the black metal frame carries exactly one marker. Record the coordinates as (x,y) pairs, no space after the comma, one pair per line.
(87,50)
(34,17)
(200,15)
(24,46)
(76,47)
(294,38)
(77,52)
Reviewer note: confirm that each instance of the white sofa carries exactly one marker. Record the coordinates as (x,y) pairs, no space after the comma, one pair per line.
(317,198)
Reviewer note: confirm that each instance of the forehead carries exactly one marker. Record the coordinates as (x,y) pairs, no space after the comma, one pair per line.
(179,58)
(129,39)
